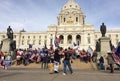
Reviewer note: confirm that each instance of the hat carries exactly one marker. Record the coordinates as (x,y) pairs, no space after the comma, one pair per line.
(109,52)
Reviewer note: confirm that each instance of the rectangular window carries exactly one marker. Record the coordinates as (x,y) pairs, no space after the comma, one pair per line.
(89,40)
(33,42)
(76,19)
(3,36)
(14,36)
(28,42)
(46,41)
(28,37)
(39,42)
(117,41)
(23,37)
(45,37)
(61,42)
(69,42)
(116,35)
(39,37)
(64,20)
(33,37)
(22,42)
(51,40)
(110,36)
(95,36)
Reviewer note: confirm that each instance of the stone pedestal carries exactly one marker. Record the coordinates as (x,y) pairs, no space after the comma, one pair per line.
(104,45)
(6,45)
(104,48)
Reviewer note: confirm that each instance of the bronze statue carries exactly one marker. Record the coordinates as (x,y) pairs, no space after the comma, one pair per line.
(103,29)
(12,45)
(1,45)
(10,32)
(98,46)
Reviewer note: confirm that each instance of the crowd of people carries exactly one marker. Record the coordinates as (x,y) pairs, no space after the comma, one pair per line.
(51,58)
(46,56)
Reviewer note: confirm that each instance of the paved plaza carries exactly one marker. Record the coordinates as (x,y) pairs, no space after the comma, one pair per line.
(37,74)
(33,72)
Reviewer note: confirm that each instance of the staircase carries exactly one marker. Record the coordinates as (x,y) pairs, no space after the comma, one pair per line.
(77,64)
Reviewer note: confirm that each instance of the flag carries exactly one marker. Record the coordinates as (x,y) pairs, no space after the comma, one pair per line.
(118,51)
(56,40)
(116,59)
(116,55)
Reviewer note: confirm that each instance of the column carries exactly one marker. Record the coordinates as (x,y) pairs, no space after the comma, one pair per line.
(65,40)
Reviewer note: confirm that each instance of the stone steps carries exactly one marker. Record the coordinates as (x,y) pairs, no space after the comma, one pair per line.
(75,65)
(82,65)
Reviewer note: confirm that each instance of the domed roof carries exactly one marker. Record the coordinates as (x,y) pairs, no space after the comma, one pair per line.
(71,4)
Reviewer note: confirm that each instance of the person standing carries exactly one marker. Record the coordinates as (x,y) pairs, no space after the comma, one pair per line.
(56,60)
(110,61)
(67,60)
(101,63)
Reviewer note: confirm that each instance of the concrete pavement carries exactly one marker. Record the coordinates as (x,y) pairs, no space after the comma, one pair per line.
(33,72)
(43,75)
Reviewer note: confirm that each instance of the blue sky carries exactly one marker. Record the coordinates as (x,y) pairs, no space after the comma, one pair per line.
(37,15)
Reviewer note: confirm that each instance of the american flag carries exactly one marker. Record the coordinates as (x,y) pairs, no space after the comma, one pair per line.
(116,55)
(116,59)
(56,40)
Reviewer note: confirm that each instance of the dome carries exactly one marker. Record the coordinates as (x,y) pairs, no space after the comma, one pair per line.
(71,14)
(71,4)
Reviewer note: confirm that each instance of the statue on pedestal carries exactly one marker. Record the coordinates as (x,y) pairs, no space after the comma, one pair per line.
(10,32)
(103,29)
(98,46)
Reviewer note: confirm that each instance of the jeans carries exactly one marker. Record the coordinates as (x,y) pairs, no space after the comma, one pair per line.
(26,61)
(67,63)
(102,66)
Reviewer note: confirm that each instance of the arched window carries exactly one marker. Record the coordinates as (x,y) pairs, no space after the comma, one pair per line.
(61,39)
(22,42)
(69,39)
(33,42)
(76,19)
(28,42)
(89,39)
(78,39)
(64,19)
(39,42)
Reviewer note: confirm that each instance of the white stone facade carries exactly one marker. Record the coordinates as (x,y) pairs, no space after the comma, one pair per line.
(71,27)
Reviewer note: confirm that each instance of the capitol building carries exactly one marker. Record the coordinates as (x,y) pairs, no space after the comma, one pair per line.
(71,28)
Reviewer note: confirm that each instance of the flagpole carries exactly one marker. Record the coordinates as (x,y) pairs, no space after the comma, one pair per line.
(56,42)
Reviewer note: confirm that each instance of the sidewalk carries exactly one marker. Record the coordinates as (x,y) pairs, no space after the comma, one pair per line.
(43,75)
